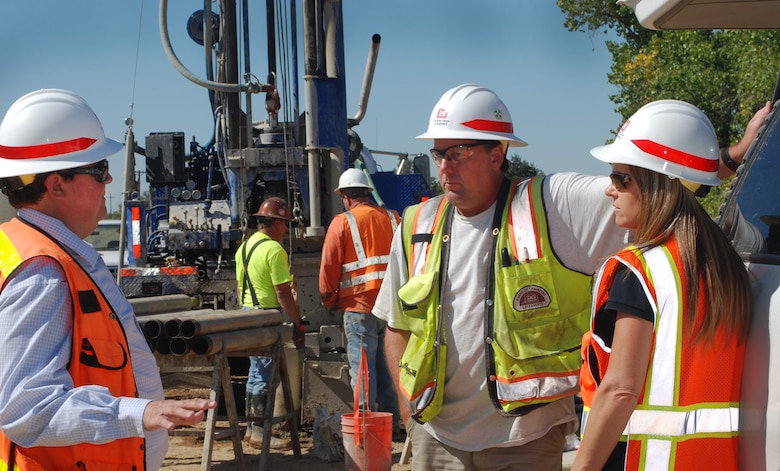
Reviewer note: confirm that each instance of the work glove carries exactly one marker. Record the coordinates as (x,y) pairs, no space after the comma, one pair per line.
(299,335)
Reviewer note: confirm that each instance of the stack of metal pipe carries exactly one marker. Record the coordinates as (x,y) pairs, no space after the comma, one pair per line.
(208,331)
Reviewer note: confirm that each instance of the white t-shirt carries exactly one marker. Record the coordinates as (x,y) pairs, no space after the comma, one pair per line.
(582,233)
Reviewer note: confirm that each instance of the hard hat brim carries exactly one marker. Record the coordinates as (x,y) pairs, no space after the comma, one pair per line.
(513,140)
(357,187)
(607,153)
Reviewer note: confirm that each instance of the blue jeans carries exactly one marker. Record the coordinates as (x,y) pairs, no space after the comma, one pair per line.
(259,375)
(259,372)
(363,329)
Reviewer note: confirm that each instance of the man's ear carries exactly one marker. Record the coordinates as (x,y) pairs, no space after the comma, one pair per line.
(497,156)
(54,185)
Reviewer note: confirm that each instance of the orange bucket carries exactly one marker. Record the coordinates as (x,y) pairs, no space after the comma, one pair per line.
(368,441)
(367,436)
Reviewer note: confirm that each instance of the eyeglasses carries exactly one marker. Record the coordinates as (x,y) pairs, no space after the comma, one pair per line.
(99,171)
(456,153)
(620,180)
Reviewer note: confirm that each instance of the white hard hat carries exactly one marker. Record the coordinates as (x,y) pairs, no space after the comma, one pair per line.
(471,112)
(49,130)
(671,137)
(353,178)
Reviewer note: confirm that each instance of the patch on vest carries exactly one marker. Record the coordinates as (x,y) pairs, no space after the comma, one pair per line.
(531,297)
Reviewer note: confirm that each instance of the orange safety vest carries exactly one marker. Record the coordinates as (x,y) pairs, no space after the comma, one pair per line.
(100,355)
(371,230)
(687,416)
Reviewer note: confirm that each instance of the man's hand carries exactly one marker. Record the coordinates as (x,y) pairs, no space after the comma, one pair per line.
(299,335)
(169,413)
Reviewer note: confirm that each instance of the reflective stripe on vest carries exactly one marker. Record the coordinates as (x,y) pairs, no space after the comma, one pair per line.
(363,262)
(99,355)
(673,408)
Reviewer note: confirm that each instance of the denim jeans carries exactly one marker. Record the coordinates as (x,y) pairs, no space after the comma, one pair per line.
(365,330)
(259,375)
(259,372)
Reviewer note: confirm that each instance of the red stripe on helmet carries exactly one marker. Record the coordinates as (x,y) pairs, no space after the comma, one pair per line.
(676,156)
(487,125)
(46,150)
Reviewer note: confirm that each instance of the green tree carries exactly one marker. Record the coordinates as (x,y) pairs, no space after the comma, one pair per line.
(728,74)
(519,168)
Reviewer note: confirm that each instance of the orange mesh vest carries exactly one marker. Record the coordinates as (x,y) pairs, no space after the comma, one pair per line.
(99,355)
(687,415)
(365,259)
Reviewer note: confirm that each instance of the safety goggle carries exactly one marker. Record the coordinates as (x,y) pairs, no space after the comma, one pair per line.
(456,153)
(99,171)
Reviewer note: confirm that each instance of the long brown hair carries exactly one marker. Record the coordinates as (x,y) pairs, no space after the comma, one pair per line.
(669,209)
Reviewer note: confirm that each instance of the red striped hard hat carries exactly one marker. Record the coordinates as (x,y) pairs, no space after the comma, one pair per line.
(471,112)
(671,137)
(49,130)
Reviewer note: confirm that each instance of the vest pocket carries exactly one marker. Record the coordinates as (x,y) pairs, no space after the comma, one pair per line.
(102,353)
(418,302)
(421,376)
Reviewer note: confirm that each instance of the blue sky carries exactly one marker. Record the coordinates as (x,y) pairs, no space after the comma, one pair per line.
(553,81)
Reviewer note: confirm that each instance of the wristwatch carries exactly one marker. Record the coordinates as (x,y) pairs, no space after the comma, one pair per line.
(732,164)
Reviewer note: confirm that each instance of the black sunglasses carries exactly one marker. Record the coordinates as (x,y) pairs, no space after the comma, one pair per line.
(620,180)
(99,171)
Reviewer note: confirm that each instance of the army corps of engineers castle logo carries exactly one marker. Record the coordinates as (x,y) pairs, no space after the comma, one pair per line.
(531,297)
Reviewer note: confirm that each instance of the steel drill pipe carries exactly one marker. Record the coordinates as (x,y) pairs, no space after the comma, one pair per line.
(229,321)
(244,340)
(180,346)
(167,303)
(171,328)
(152,328)
(153,325)
(163,346)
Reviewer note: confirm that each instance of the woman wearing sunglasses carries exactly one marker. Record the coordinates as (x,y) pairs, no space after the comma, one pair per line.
(663,360)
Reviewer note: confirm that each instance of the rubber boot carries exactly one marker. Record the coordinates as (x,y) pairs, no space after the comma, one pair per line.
(256,439)
(249,412)
(255,429)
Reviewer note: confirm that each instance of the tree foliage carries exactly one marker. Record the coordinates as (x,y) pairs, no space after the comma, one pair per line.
(519,168)
(728,74)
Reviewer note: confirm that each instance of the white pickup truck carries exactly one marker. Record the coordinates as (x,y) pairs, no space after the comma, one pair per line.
(750,217)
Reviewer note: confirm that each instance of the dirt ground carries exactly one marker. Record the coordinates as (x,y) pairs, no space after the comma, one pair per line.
(185,449)
(184,454)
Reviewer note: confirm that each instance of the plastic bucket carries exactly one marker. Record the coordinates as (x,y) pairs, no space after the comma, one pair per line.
(374,433)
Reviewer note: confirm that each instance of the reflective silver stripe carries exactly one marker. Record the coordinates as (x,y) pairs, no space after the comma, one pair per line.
(362,261)
(353,230)
(663,376)
(663,423)
(393,222)
(679,423)
(366,262)
(658,454)
(543,387)
(361,279)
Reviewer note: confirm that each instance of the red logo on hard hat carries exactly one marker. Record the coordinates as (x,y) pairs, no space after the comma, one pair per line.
(442,113)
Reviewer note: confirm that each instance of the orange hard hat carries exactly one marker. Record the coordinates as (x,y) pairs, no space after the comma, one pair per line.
(274,207)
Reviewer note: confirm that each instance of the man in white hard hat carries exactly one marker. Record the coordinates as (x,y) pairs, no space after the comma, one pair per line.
(487,295)
(79,387)
(354,259)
